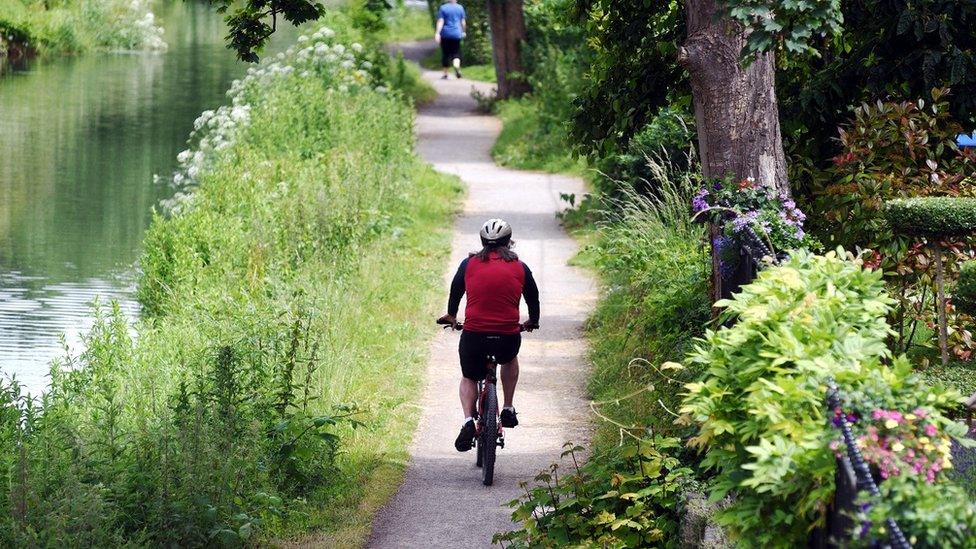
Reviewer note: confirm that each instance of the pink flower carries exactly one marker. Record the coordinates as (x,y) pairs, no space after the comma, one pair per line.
(931,430)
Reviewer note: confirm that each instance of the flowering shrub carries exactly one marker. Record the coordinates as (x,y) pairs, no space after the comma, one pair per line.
(751,215)
(739,206)
(131,25)
(897,443)
(759,408)
(319,54)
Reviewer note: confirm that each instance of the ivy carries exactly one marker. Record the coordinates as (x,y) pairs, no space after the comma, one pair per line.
(792,25)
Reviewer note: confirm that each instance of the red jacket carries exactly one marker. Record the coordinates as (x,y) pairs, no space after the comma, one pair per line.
(494,289)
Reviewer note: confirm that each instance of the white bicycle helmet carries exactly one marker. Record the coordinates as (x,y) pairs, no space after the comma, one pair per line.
(496,232)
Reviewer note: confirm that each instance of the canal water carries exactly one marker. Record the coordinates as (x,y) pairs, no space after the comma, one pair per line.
(80,141)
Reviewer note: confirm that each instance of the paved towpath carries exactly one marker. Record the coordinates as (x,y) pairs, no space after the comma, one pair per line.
(442,502)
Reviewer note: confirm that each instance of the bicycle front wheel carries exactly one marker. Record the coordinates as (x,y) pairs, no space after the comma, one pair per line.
(487,444)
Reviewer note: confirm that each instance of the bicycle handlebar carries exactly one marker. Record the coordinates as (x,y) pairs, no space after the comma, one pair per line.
(460,326)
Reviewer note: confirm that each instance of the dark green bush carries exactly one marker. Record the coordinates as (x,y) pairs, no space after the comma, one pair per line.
(965,296)
(935,216)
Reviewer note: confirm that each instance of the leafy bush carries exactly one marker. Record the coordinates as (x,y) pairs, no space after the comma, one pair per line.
(965,295)
(220,419)
(759,407)
(897,150)
(668,137)
(890,150)
(923,511)
(627,497)
(937,216)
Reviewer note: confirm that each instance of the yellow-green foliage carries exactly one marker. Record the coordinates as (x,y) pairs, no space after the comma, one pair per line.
(78,25)
(760,406)
(288,300)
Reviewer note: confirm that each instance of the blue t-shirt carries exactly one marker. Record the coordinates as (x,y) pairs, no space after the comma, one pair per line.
(452,14)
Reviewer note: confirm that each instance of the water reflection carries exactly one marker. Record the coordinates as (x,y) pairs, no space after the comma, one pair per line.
(80,139)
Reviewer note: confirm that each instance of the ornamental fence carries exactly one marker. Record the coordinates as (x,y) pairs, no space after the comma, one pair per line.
(852,478)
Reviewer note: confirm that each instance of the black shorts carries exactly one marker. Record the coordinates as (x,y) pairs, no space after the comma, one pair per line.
(475,349)
(450,48)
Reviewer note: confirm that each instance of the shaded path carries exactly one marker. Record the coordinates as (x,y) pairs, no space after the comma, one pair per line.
(442,502)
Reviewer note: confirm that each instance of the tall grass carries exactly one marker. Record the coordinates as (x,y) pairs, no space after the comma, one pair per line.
(654,266)
(78,25)
(286,296)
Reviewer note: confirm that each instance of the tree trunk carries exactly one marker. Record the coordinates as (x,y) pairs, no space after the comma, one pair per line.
(507,34)
(735,108)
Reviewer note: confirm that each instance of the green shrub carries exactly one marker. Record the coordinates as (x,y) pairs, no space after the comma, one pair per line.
(932,216)
(965,295)
(628,496)
(890,150)
(760,407)
(666,138)
(923,511)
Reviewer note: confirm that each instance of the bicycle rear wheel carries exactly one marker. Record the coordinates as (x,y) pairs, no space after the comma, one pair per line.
(489,435)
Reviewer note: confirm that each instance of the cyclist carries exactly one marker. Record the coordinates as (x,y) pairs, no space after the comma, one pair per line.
(495,281)
(451,28)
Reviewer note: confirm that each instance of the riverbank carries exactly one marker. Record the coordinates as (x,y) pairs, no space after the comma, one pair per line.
(271,381)
(30,27)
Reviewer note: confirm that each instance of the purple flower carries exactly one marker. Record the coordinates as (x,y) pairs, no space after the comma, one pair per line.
(744,220)
(698,203)
(717,186)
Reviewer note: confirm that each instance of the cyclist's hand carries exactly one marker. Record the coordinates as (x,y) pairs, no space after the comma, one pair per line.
(530,326)
(437,38)
(448,320)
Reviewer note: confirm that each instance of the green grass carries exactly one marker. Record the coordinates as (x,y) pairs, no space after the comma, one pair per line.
(405,24)
(528,142)
(481,73)
(76,26)
(408,79)
(270,391)
(654,301)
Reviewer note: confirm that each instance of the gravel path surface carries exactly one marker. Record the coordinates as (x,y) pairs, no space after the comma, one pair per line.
(442,502)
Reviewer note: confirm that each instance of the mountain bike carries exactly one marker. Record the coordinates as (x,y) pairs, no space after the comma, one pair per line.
(489,435)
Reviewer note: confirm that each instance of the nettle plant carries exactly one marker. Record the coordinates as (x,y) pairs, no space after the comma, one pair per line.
(750,215)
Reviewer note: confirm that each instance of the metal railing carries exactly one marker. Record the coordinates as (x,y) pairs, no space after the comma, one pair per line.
(853,477)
